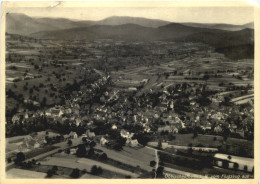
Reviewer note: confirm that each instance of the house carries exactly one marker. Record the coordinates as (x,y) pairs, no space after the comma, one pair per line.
(16,118)
(168,128)
(133,143)
(29,143)
(73,151)
(23,148)
(126,134)
(66,137)
(241,132)
(114,127)
(73,135)
(56,112)
(218,129)
(171,105)
(78,121)
(67,111)
(205,127)
(90,134)
(147,129)
(103,141)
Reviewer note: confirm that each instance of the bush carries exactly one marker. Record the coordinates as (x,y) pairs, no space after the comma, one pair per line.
(152,163)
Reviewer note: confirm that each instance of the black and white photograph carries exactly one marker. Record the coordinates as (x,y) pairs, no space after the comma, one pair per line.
(129,92)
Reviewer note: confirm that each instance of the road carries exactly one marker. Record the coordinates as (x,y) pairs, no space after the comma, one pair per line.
(156,160)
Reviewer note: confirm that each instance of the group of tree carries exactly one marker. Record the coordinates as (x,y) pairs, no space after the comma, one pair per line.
(96,170)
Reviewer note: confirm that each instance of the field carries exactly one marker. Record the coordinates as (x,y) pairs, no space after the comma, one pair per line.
(131,156)
(175,69)
(232,145)
(243,99)
(83,163)
(21,173)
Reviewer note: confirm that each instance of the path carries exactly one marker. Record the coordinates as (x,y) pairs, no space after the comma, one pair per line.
(187,174)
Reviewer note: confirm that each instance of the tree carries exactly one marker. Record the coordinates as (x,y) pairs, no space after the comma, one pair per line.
(91,152)
(9,160)
(69,142)
(75,173)
(81,151)
(55,168)
(50,173)
(195,134)
(206,78)
(84,139)
(103,156)
(99,170)
(142,138)
(190,149)
(152,163)
(119,143)
(20,157)
(159,144)
(235,166)
(68,151)
(92,144)
(33,161)
(94,170)
(159,171)
(225,164)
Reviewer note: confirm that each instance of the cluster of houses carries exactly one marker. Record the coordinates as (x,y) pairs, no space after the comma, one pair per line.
(124,134)
(38,140)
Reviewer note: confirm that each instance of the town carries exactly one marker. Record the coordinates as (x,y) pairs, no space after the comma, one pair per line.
(117,109)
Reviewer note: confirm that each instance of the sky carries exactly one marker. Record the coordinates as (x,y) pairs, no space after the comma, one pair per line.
(229,15)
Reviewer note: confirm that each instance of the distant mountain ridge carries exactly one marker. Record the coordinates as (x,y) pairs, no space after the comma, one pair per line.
(227,27)
(137,29)
(25,25)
